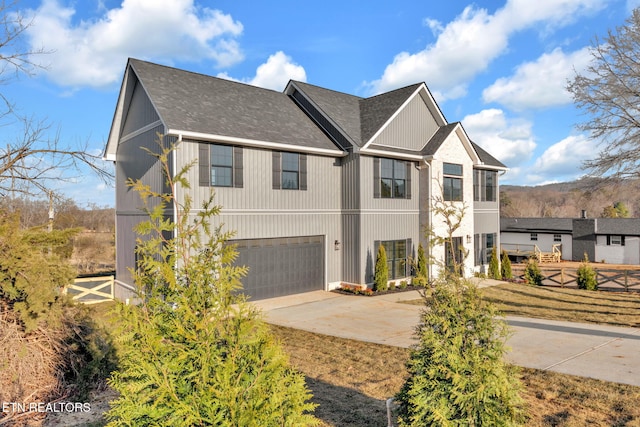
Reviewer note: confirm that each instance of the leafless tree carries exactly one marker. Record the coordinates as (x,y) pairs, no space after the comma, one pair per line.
(608,93)
(32,161)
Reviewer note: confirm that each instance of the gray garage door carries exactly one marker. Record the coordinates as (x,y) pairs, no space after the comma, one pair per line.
(281,266)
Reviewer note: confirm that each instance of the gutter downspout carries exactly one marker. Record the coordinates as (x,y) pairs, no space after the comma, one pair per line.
(429,214)
(174,165)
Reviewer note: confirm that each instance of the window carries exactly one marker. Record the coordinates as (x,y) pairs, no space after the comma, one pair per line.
(454,255)
(484,247)
(396,251)
(289,171)
(391,179)
(557,238)
(485,185)
(534,237)
(615,240)
(451,184)
(220,165)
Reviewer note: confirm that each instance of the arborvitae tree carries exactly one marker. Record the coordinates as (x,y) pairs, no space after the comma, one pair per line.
(381,273)
(532,273)
(505,266)
(194,352)
(457,375)
(422,271)
(33,270)
(494,266)
(587,276)
(50,346)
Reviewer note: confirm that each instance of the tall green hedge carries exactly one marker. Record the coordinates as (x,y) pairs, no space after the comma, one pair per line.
(381,273)
(494,265)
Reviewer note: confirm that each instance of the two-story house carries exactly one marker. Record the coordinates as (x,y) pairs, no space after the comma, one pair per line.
(311,180)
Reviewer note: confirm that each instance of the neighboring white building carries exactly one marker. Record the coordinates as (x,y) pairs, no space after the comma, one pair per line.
(609,240)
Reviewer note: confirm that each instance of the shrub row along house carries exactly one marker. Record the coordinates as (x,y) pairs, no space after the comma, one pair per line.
(312,180)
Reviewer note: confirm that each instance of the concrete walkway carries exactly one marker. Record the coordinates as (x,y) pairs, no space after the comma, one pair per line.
(604,352)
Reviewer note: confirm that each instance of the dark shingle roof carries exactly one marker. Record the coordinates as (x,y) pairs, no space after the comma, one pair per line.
(342,108)
(487,158)
(377,110)
(437,139)
(618,226)
(540,225)
(199,103)
(360,118)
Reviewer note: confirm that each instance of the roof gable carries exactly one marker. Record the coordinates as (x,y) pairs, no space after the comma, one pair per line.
(341,109)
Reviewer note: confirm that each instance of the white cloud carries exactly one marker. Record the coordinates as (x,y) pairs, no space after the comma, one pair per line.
(93,53)
(510,141)
(275,73)
(540,83)
(563,159)
(467,45)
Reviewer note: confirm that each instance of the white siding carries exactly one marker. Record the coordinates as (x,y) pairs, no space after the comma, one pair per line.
(452,150)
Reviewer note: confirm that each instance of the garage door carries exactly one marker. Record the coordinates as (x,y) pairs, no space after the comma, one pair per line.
(281,266)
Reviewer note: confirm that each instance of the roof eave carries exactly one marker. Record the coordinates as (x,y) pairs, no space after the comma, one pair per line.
(181,134)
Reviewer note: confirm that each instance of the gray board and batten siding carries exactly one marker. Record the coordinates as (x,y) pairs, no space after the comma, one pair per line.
(325,231)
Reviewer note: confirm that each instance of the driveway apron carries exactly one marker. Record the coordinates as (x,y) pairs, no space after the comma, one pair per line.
(598,351)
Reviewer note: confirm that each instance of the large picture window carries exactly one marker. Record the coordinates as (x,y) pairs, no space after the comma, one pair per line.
(452,182)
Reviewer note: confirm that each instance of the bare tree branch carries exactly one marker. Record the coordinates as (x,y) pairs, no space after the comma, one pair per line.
(33,162)
(608,93)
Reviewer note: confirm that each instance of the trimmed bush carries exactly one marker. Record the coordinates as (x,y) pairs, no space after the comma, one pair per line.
(587,276)
(457,375)
(532,273)
(494,265)
(381,274)
(505,266)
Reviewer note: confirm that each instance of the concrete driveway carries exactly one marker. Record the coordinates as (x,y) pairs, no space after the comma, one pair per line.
(604,352)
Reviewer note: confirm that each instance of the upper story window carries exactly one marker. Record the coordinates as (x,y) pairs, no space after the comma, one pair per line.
(534,237)
(289,171)
(485,185)
(220,165)
(557,238)
(391,178)
(452,182)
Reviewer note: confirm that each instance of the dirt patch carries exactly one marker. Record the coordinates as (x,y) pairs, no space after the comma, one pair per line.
(94,416)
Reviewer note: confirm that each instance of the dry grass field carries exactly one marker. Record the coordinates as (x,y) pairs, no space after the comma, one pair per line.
(351,380)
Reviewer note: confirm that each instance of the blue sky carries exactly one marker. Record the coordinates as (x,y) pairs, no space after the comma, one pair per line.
(498,66)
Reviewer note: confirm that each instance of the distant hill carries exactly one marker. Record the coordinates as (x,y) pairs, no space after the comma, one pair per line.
(569,199)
